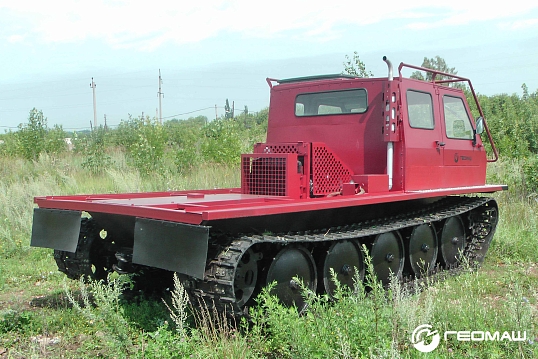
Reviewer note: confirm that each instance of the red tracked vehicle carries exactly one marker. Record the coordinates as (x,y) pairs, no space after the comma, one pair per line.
(392,163)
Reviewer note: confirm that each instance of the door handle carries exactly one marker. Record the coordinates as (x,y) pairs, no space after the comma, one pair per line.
(440,144)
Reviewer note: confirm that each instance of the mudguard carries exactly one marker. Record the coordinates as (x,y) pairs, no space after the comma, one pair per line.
(56,229)
(172,246)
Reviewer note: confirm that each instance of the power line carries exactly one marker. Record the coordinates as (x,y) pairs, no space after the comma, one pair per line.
(187,113)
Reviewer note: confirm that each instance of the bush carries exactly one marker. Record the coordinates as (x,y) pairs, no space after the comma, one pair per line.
(93,147)
(530,170)
(147,151)
(143,139)
(22,322)
(31,136)
(10,145)
(513,121)
(222,142)
(55,140)
(184,138)
(34,138)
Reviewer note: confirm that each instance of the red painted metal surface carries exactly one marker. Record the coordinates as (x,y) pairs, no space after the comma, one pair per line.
(225,204)
(423,158)
(332,154)
(272,174)
(356,138)
(301,176)
(454,79)
(329,173)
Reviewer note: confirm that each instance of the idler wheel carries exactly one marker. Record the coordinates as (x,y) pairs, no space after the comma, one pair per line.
(452,241)
(246,276)
(290,262)
(387,256)
(423,249)
(346,259)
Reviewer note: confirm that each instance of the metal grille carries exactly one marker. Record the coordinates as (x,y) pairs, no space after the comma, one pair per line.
(276,148)
(328,172)
(264,175)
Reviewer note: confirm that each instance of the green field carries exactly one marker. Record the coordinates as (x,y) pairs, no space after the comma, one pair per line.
(37,319)
(45,315)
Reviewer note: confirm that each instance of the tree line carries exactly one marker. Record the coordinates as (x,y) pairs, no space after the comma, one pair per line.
(176,145)
(182,144)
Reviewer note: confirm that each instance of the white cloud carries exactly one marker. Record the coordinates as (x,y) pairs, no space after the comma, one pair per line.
(519,24)
(15,38)
(147,25)
(457,13)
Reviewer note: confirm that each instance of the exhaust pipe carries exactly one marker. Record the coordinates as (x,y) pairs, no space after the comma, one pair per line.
(389,64)
(390,145)
(390,163)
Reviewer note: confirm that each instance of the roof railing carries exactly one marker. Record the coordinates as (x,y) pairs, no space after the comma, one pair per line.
(453,78)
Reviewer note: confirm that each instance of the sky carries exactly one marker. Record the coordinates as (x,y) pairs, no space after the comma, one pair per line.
(212,50)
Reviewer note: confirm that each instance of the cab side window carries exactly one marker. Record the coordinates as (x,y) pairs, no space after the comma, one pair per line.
(457,120)
(332,102)
(420,109)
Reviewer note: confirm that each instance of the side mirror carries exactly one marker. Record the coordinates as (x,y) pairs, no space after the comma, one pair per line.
(479,125)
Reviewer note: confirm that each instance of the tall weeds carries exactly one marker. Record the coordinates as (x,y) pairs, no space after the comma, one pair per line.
(366,321)
(100,305)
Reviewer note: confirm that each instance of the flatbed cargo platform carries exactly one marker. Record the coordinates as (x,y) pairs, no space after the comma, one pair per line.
(201,206)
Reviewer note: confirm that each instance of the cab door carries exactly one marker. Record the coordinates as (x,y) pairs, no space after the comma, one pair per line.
(463,160)
(423,168)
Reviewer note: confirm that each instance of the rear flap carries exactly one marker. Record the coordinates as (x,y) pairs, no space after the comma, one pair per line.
(56,229)
(172,246)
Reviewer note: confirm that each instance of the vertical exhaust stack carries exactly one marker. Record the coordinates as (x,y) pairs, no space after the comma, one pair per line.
(390,144)
(389,64)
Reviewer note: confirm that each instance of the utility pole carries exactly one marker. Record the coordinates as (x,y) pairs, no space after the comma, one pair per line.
(105,122)
(159,95)
(216,114)
(92,85)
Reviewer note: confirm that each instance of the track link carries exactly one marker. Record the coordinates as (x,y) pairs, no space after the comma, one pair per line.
(217,289)
(85,261)
(76,264)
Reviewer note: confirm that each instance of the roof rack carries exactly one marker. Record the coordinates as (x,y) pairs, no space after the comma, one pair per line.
(309,78)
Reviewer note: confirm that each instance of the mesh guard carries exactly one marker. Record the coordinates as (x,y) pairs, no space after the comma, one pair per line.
(328,172)
(271,174)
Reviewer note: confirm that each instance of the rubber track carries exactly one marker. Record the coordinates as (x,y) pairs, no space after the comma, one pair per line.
(76,264)
(217,291)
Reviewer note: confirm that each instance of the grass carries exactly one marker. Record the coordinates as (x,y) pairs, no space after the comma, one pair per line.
(42,314)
